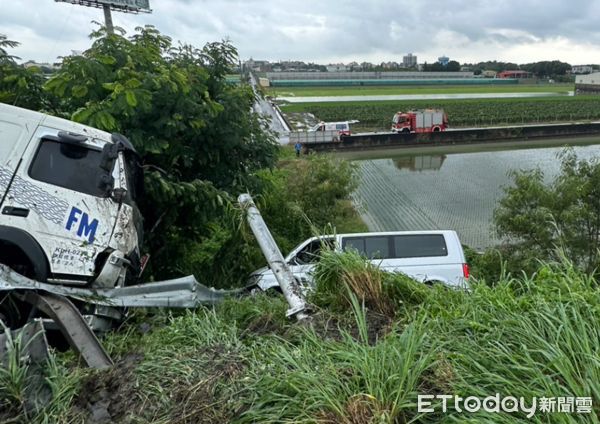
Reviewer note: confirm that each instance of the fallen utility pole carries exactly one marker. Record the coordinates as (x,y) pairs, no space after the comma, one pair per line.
(289,285)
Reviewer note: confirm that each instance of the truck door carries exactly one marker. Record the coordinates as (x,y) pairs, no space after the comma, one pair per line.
(58,197)
(13,141)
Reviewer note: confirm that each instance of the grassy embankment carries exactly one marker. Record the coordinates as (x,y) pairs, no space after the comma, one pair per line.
(426,89)
(244,362)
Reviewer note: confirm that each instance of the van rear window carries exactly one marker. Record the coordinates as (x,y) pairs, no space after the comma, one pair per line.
(420,245)
(70,166)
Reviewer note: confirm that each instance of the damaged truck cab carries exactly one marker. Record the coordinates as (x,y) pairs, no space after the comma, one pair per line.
(67,201)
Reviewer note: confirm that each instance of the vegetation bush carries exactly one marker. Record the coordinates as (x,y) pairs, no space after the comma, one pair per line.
(547,221)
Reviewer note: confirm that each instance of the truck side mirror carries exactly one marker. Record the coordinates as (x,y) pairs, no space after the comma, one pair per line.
(106,182)
(118,194)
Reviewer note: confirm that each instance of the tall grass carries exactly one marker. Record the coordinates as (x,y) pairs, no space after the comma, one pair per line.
(14,372)
(338,381)
(338,275)
(527,337)
(242,362)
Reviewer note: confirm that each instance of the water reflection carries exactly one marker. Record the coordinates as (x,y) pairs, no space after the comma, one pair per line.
(420,163)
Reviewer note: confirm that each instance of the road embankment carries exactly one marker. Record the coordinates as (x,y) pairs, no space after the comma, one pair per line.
(516,136)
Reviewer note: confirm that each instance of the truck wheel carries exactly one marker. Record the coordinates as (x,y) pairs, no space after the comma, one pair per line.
(405,130)
(436,129)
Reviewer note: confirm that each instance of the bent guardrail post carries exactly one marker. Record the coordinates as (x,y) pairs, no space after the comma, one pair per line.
(285,278)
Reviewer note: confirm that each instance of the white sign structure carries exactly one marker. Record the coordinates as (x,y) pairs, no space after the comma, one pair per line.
(138,5)
(117,5)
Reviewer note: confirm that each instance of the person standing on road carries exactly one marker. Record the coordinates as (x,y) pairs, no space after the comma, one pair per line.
(298,148)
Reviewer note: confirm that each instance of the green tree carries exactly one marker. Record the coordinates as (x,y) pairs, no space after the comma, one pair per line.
(19,86)
(199,140)
(542,221)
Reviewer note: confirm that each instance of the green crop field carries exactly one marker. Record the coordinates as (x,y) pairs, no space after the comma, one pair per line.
(391,90)
(377,115)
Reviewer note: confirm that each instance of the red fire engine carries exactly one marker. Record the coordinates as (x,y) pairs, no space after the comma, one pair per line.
(420,121)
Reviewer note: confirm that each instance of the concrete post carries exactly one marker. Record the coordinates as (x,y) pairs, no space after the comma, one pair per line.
(285,278)
(108,19)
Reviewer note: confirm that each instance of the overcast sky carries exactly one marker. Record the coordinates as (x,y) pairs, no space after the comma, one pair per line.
(331,31)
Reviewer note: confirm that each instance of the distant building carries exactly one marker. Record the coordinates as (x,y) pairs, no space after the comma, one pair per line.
(45,67)
(258,65)
(514,74)
(409,61)
(443,60)
(587,84)
(582,69)
(354,66)
(339,67)
(488,74)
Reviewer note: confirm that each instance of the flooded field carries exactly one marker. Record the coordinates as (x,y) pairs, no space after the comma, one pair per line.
(447,191)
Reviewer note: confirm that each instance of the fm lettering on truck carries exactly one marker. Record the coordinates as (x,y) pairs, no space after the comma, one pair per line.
(86,228)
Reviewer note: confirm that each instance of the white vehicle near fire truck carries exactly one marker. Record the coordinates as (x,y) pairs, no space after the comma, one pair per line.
(323,132)
(420,121)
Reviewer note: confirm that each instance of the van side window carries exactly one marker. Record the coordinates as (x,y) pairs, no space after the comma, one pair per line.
(357,243)
(70,166)
(420,245)
(376,247)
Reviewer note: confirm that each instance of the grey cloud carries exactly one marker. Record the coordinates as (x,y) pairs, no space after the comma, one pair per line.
(319,31)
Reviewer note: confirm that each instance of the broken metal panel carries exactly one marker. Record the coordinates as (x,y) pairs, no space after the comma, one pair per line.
(289,286)
(73,326)
(183,292)
(30,338)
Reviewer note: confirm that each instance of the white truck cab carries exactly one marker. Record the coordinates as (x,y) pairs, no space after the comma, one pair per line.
(67,201)
(426,256)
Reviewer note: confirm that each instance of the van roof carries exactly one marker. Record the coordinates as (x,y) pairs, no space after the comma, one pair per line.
(54,122)
(390,233)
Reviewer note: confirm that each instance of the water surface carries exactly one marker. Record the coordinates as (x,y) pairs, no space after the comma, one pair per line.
(456,191)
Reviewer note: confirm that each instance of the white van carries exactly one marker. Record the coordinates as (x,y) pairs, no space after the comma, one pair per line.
(342,128)
(426,256)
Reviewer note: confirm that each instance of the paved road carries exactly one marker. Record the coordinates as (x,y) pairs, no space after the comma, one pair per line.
(263,106)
